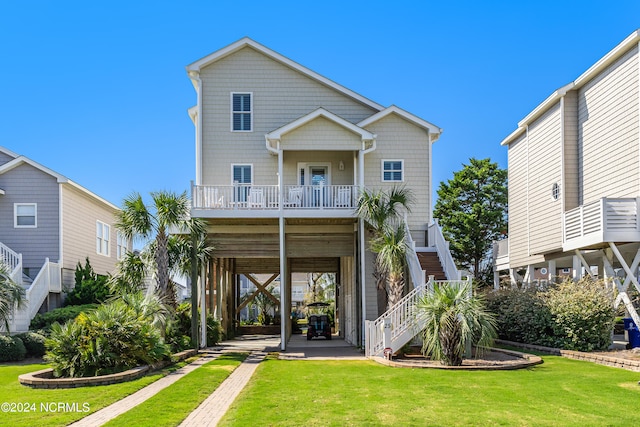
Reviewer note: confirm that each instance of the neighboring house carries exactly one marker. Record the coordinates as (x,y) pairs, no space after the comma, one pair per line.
(48,224)
(574,178)
(281,156)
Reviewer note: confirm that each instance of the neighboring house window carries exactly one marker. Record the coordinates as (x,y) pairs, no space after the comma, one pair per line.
(241,112)
(392,170)
(25,215)
(102,238)
(121,245)
(555,191)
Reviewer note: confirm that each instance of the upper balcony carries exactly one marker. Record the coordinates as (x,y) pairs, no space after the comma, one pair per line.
(602,221)
(266,201)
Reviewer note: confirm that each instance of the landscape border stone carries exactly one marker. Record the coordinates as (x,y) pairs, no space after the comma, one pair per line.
(45,379)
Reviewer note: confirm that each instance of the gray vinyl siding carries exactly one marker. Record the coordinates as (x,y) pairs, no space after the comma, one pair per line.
(80,212)
(280,95)
(26,184)
(608,131)
(570,191)
(545,170)
(5,158)
(398,139)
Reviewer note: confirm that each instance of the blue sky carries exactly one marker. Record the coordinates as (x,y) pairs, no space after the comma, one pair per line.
(98,91)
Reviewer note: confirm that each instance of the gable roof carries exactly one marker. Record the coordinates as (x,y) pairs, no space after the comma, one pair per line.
(247,42)
(434,131)
(585,77)
(319,112)
(61,179)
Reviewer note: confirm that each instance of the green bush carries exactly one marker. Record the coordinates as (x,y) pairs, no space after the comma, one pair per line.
(90,288)
(34,343)
(571,315)
(59,315)
(583,314)
(11,349)
(113,338)
(178,332)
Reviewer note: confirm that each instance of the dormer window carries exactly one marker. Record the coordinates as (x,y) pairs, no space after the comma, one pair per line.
(241,118)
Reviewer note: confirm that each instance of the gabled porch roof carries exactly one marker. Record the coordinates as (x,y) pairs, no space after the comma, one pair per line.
(276,135)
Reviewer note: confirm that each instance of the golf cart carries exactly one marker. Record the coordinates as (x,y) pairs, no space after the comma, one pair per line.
(318,324)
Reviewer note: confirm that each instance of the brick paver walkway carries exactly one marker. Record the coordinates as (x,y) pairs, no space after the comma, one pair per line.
(107,413)
(216,405)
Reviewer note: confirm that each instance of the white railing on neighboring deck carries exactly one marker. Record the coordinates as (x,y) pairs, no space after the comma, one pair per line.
(605,220)
(436,239)
(401,319)
(249,196)
(12,261)
(48,280)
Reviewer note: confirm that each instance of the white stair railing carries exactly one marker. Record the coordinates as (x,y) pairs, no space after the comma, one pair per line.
(402,321)
(436,239)
(13,262)
(48,280)
(417,274)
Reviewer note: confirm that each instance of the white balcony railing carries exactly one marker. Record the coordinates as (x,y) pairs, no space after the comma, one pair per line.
(267,197)
(605,220)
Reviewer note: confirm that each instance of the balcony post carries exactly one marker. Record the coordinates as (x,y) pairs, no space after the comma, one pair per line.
(280,179)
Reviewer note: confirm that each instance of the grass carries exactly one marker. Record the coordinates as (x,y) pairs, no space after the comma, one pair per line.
(173,404)
(41,406)
(560,392)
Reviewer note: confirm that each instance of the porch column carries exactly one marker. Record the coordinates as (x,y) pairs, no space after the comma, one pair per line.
(280,179)
(283,287)
(552,270)
(577,268)
(362,270)
(203,307)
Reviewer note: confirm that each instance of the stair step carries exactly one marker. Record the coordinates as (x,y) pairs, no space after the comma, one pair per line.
(430,263)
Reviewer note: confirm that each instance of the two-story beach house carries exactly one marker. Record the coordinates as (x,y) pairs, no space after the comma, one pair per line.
(574,179)
(48,224)
(282,154)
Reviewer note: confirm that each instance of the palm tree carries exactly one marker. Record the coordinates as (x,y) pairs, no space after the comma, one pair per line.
(169,212)
(11,296)
(382,211)
(453,319)
(391,250)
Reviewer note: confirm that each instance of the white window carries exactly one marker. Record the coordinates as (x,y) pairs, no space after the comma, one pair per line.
(102,238)
(393,170)
(122,245)
(25,215)
(241,117)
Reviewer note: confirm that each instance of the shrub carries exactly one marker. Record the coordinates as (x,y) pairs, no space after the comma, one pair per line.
(113,338)
(178,333)
(214,331)
(11,349)
(522,316)
(34,343)
(583,314)
(90,288)
(59,315)
(571,315)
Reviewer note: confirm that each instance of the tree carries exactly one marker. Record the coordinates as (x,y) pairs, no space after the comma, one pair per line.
(11,296)
(382,211)
(454,319)
(472,210)
(391,249)
(168,213)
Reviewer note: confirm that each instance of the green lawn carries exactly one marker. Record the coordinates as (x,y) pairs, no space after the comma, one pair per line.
(560,392)
(38,407)
(173,404)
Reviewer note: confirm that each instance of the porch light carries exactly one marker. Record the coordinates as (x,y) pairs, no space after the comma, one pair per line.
(341,165)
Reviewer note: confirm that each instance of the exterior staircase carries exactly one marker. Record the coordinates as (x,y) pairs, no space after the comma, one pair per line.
(399,325)
(49,279)
(430,263)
